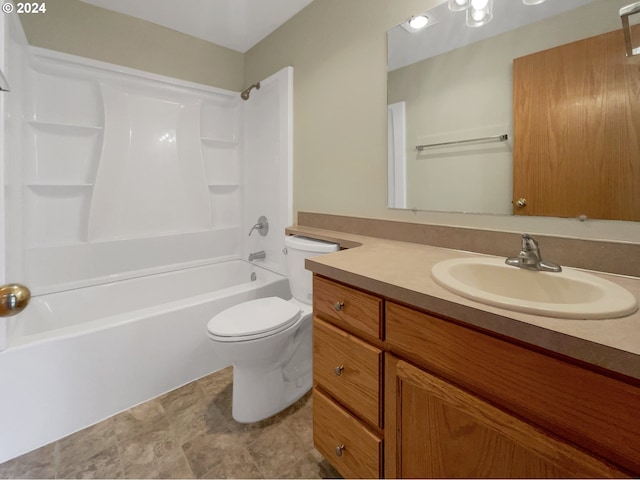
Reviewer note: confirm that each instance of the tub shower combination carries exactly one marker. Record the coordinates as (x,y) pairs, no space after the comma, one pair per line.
(138,192)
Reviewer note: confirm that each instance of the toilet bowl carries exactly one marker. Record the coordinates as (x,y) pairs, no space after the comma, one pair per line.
(269,342)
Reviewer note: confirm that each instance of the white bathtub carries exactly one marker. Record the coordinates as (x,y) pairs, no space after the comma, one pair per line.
(77,357)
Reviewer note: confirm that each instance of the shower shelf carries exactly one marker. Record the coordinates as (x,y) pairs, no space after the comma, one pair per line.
(34,246)
(216,142)
(64,127)
(54,184)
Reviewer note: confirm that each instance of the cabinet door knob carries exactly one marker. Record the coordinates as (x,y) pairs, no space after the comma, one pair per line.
(338,370)
(338,306)
(339,449)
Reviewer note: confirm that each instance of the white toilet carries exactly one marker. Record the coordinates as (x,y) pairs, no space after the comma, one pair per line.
(268,340)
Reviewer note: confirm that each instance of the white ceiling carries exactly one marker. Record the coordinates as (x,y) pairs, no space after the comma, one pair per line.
(235,24)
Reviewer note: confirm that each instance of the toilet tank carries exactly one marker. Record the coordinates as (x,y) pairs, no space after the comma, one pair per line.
(299,248)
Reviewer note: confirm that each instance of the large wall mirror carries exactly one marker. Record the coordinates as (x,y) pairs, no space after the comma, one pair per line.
(535,113)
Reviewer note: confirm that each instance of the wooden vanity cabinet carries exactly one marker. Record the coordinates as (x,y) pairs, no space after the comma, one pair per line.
(455,402)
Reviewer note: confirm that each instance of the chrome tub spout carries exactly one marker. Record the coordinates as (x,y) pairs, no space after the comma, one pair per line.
(261,255)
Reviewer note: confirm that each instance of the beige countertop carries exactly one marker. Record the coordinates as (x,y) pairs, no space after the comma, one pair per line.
(402,271)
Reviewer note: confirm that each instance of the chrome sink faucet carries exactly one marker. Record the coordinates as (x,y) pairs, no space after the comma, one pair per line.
(530,258)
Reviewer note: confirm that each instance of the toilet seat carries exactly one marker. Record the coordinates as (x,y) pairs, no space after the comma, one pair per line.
(253,319)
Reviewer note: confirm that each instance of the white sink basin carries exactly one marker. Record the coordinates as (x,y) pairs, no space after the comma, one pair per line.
(567,294)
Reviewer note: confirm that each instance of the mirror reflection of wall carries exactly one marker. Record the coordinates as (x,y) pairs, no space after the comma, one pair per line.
(463,94)
(467,93)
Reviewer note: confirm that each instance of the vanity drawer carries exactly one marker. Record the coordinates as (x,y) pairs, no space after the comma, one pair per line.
(351,309)
(348,369)
(592,410)
(345,442)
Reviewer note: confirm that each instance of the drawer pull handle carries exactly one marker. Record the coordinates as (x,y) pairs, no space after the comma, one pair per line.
(339,449)
(338,306)
(338,370)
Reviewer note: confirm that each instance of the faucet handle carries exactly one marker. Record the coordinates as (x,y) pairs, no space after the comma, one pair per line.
(530,257)
(262,226)
(529,243)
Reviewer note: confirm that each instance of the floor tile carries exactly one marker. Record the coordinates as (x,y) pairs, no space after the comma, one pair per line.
(76,448)
(300,420)
(104,464)
(223,399)
(198,418)
(40,463)
(7,469)
(182,398)
(306,466)
(186,433)
(277,451)
(211,385)
(154,455)
(221,455)
(140,419)
(327,470)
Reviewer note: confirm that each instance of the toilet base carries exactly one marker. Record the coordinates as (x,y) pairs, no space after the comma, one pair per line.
(269,373)
(275,391)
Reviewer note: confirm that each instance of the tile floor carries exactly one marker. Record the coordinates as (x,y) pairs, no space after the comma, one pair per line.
(186,433)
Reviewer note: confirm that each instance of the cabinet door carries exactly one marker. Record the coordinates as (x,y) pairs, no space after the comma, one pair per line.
(436,430)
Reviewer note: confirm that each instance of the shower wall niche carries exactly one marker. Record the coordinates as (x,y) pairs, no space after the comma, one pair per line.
(124,173)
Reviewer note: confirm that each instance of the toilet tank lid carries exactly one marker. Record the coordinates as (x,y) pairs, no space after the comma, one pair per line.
(307,244)
(253,317)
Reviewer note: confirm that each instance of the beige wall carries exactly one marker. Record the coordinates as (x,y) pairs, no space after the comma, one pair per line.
(338,51)
(78,28)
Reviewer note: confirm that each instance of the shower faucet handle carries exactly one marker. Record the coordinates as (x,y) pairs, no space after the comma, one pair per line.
(262,226)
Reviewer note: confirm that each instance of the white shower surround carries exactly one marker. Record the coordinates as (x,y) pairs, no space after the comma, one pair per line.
(128,173)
